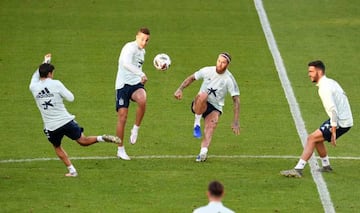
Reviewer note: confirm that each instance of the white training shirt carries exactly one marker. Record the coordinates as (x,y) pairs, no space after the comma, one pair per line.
(217,85)
(213,207)
(49,95)
(130,64)
(335,102)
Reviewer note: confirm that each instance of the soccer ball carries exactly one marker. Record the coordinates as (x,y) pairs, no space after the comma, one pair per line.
(162,62)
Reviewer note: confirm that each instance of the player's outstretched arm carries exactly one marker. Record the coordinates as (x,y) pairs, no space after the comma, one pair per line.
(178,93)
(236,123)
(36,76)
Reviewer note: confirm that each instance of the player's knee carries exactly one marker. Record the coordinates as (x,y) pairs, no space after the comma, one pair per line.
(199,109)
(311,139)
(142,103)
(122,117)
(201,97)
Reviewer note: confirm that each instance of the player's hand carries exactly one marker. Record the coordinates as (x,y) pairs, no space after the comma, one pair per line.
(236,127)
(333,139)
(178,94)
(144,79)
(47,58)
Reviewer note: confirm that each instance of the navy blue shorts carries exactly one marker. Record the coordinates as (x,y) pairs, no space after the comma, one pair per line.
(123,95)
(325,128)
(72,130)
(208,110)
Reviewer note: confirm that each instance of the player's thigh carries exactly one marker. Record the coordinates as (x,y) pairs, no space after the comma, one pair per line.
(316,136)
(73,130)
(139,95)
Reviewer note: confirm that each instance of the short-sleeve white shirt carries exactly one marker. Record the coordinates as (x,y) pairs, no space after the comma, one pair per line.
(49,95)
(334,98)
(217,85)
(130,64)
(213,207)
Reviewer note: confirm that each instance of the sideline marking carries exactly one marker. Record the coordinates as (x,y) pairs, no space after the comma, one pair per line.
(294,107)
(168,157)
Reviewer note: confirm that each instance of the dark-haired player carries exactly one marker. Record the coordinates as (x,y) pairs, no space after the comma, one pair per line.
(58,122)
(340,120)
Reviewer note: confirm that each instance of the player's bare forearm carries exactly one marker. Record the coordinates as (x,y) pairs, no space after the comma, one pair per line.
(236,122)
(187,82)
(333,136)
(183,85)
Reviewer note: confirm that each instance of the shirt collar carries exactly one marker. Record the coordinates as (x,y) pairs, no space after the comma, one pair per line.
(322,79)
(217,203)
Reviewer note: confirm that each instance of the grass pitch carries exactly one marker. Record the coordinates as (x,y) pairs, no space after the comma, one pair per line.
(85,38)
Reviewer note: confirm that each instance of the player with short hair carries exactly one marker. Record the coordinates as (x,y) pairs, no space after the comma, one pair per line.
(209,102)
(58,122)
(337,107)
(129,86)
(215,194)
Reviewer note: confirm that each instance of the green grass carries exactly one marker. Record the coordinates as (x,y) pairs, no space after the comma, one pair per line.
(85,38)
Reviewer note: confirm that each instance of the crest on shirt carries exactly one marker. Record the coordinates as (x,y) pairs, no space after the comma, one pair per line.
(212,91)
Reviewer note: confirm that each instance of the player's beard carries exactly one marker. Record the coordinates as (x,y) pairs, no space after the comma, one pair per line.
(315,79)
(220,70)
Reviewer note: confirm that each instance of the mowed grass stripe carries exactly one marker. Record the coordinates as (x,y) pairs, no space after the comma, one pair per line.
(172,157)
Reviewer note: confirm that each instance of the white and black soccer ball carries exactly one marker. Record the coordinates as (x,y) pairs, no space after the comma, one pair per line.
(162,62)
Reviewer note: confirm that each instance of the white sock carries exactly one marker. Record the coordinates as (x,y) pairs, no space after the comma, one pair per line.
(100,139)
(71,169)
(197,120)
(121,149)
(301,164)
(203,150)
(325,161)
(136,128)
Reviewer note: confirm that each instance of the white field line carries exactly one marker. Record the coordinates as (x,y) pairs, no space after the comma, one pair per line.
(294,107)
(169,157)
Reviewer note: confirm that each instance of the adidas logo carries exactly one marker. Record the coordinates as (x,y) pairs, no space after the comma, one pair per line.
(45,93)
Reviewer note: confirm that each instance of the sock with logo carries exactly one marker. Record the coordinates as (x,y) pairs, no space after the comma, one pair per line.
(197,120)
(325,161)
(301,164)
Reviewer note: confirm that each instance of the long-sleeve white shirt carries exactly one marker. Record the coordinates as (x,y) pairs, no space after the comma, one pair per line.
(130,64)
(217,85)
(49,95)
(335,102)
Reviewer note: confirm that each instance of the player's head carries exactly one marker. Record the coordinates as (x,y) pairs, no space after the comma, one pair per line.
(316,69)
(45,69)
(222,62)
(142,37)
(215,190)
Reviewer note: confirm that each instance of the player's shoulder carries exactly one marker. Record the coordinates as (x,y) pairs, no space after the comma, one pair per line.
(326,82)
(54,83)
(208,69)
(229,74)
(129,45)
(132,47)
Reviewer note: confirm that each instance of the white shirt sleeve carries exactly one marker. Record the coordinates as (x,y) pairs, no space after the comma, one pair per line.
(127,63)
(329,104)
(233,87)
(35,78)
(199,74)
(65,93)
